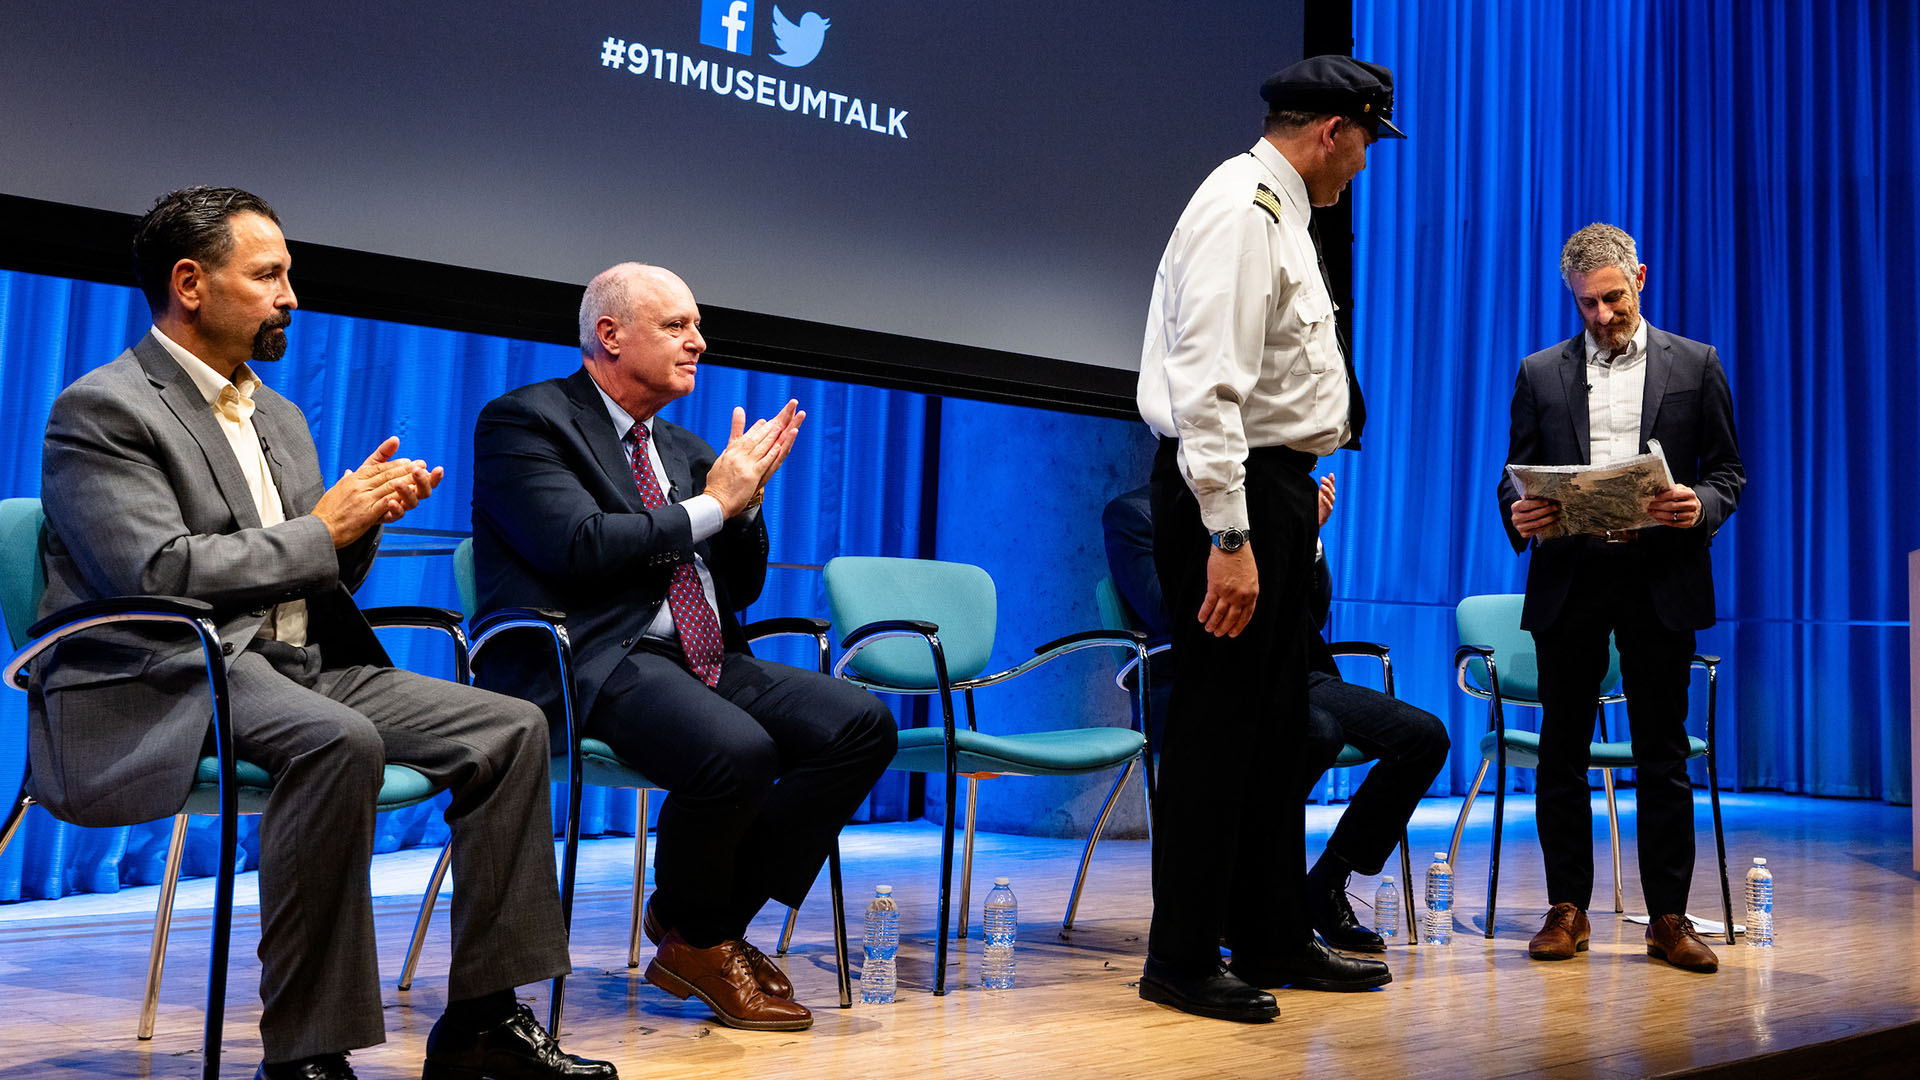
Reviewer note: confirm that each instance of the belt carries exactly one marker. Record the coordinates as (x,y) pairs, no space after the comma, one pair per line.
(1620,536)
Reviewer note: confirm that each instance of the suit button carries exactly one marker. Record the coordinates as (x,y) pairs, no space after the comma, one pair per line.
(226,648)
(260,614)
(626,643)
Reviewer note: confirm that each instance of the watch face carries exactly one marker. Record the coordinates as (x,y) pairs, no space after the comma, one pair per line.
(1231,540)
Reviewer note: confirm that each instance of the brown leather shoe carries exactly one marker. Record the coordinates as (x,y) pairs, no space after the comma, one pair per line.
(1565,933)
(773,982)
(1672,938)
(723,978)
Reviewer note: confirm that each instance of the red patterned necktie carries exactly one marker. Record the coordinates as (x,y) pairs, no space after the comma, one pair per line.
(693,617)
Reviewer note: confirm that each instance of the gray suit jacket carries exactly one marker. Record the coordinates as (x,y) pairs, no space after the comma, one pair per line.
(143,496)
(1687,407)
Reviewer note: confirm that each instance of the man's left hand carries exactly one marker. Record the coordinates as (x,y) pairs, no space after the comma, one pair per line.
(1679,507)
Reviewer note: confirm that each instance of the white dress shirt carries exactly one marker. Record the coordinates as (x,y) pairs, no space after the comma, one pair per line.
(704,512)
(232,404)
(1616,389)
(1241,349)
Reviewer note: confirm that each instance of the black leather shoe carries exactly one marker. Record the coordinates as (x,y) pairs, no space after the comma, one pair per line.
(1329,912)
(516,1048)
(1313,966)
(320,1067)
(1214,993)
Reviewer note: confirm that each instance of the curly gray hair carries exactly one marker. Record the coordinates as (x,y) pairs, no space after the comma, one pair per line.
(1596,246)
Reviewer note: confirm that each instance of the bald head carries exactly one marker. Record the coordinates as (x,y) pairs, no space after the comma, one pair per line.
(640,336)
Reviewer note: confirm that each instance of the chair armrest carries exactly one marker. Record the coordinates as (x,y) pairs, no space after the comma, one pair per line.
(428,618)
(1123,638)
(786,624)
(1358,648)
(181,606)
(890,627)
(1126,669)
(1468,652)
(513,618)
(1706,660)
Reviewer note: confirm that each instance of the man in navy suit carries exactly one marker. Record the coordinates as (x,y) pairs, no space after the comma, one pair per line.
(1595,398)
(587,502)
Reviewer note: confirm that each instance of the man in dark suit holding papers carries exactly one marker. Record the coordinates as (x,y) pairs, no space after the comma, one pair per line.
(1598,398)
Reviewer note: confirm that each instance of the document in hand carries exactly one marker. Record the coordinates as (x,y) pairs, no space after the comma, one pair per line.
(1596,499)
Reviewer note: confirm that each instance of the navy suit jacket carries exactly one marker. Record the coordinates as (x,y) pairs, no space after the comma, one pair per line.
(1686,405)
(559,524)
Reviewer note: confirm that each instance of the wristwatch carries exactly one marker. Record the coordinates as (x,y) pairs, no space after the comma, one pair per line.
(1231,540)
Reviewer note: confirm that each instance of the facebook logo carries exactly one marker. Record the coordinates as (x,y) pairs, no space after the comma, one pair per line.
(727,24)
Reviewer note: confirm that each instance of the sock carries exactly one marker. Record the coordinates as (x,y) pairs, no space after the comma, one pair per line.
(479,1013)
(1330,872)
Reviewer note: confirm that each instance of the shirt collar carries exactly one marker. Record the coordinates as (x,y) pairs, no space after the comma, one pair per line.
(213,386)
(1636,346)
(623,420)
(1292,189)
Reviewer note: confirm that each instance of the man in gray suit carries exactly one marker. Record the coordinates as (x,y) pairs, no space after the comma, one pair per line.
(1596,398)
(173,470)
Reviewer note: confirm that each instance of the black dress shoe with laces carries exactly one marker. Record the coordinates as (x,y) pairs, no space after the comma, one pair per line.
(516,1048)
(1215,993)
(319,1067)
(1312,966)
(1329,912)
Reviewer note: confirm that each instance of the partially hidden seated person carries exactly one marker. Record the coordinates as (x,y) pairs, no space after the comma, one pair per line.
(1411,744)
(586,502)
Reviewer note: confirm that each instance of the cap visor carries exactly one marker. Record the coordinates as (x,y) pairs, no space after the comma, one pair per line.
(1386,130)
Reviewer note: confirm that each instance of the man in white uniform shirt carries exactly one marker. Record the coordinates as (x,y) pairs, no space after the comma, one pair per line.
(1244,378)
(173,471)
(1595,398)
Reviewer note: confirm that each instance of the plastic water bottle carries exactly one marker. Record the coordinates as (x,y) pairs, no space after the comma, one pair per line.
(999,924)
(1439,901)
(1760,905)
(877,972)
(1386,910)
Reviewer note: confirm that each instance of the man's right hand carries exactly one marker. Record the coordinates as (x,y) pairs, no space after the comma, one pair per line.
(378,490)
(1534,516)
(752,455)
(1233,584)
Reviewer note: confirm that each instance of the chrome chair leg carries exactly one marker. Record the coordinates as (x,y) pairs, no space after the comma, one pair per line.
(421,920)
(966,863)
(1093,838)
(1460,826)
(946,878)
(1613,836)
(1406,888)
(162,926)
(639,880)
(786,931)
(14,817)
(1493,863)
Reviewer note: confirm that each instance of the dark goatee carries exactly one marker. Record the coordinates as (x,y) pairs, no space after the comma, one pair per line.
(270,342)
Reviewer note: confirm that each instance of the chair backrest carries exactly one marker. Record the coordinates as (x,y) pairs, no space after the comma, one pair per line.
(22,577)
(957,597)
(1114,612)
(463,577)
(1493,620)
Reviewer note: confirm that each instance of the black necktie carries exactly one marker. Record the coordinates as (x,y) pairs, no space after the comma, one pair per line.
(1356,404)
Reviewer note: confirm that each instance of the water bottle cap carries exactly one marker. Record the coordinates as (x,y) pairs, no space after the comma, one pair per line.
(883,890)
(1439,856)
(1387,880)
(1759,862)
(1001,881)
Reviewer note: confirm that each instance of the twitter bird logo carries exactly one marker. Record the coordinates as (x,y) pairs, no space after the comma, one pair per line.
(799,42)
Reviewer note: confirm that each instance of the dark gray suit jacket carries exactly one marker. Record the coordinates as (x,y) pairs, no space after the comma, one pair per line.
(143,495)
(1688,408)
(559,524)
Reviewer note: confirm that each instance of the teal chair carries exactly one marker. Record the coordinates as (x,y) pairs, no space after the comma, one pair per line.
(223,785)
(594,762)
(1115,611)
(1496,663)
(917,626)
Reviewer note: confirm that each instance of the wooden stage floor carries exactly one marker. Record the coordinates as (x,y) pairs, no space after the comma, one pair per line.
(1847,897)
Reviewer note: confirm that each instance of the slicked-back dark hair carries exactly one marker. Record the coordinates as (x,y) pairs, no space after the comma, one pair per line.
(190,223)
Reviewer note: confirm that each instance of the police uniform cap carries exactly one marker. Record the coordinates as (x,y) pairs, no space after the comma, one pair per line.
(1339,86)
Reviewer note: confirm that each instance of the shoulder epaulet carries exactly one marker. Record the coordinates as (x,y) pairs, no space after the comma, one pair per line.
(1265,199)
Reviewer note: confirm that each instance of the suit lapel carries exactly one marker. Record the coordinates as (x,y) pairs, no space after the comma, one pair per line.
(267,425)
(1659,366)
(679,472)
(1573,385)
(590,419)
(183,399)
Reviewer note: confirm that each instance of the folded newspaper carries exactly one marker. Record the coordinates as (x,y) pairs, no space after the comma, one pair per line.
(1597,499)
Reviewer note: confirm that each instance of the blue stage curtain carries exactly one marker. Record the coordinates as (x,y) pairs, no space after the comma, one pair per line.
(852,486)
(1764,156)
